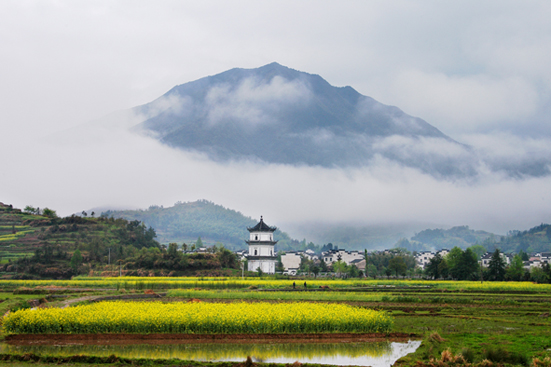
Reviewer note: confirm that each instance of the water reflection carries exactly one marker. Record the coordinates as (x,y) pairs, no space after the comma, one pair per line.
(364,354)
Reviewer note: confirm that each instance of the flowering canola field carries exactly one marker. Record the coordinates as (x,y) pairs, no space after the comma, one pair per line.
(198,318)
(140,283)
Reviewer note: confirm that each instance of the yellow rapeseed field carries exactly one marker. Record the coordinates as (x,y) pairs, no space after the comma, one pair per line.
(140,283)
(198,318)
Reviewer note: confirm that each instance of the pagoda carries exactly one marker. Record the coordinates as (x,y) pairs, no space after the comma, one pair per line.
(261,248)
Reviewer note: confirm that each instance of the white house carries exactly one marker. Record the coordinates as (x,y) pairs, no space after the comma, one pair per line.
(423,258)
(291,260)
(329,257)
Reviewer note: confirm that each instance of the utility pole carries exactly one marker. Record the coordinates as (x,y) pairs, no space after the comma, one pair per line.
(366,264)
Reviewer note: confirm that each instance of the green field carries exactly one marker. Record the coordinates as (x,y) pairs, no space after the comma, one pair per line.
(507,323)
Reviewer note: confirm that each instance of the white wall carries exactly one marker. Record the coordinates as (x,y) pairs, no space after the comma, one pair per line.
(261,236)
(267,266)
(261,250)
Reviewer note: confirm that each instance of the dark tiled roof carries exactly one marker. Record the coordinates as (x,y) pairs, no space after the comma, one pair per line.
(262,227)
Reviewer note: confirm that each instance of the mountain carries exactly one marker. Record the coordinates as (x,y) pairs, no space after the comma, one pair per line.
(186,222)
(279,115)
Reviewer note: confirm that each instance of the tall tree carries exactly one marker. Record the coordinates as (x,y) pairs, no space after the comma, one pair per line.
(467,266)
(432,267)
(453,259)
(76,260)
(516,269)
(496,267)
(398,265)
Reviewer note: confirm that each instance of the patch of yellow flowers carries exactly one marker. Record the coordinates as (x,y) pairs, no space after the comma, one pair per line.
(198,318)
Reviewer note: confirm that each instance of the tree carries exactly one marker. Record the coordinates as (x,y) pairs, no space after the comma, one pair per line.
(516,269)
(227,258)
(479,250)
(547,270)
(339,267)
(431,269)
(524,256)
(199,243)
(29,209)
(538,275)
(453,258)
(173,250)
(76,260)
(371,270)
(323,266)
(398,265)
(49,213)
(467,266)
(496,267)
(315,270)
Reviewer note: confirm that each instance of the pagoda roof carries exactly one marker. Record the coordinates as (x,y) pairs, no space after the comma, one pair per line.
(262,227)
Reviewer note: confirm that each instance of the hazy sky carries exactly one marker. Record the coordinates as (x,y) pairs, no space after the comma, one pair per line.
(478,71)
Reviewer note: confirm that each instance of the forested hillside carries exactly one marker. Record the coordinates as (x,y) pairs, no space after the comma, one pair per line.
(460,236)
(186,222)
(36,243)
(537,239)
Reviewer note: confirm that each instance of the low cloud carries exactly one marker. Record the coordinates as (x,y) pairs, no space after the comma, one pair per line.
(465,102)
(121,169)
(253,102)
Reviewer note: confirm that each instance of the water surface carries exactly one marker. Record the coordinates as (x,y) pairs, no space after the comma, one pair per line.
(376,354)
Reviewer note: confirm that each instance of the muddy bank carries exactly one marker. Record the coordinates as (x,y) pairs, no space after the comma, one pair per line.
(129,339)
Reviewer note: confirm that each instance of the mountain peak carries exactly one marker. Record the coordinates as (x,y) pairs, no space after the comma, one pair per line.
(280,115)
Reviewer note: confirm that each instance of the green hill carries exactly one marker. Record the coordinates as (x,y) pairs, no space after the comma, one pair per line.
(186,222)
(460,236)
(37,243)
(537,239)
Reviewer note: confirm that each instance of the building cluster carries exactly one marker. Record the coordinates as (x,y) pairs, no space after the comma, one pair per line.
(291,260)
(261,255)
(536,260)
(423,258)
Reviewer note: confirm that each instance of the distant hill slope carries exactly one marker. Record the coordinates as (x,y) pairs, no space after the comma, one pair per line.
(280,115)
(536,239)
(460,236)
(185,222)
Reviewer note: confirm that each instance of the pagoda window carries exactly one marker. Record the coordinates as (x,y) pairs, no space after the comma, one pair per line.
(255,252)
(256,237)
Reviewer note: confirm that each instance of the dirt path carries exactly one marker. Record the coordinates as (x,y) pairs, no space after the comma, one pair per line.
(68,302)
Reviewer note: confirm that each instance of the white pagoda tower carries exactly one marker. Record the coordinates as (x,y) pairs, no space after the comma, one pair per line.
(261,248)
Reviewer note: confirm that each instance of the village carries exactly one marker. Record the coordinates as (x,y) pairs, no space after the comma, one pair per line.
(262,257)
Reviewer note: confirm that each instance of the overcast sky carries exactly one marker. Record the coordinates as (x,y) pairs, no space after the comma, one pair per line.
(478,71)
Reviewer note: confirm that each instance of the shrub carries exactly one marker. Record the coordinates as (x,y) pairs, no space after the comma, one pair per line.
(500,355)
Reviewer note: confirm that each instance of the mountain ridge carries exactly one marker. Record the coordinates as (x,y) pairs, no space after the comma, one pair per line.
(280,115)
